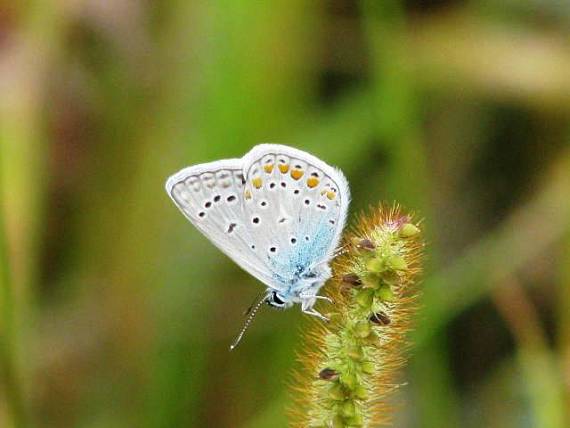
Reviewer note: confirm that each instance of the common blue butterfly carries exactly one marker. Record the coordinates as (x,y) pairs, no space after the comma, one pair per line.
(278,212)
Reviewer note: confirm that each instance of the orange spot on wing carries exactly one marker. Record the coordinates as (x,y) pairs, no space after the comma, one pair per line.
(296,174)
(247,194)
(331,195)
(283,168)
(268,168)
(257,182)
(312,182)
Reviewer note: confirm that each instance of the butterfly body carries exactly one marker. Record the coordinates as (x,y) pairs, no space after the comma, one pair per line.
(278,212)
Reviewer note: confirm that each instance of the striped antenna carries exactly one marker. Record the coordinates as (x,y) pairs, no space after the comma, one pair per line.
(252,311)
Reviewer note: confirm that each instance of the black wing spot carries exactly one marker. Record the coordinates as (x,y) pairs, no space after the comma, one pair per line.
(282,220)
(321,206)
(306,237)
(271,185)
(231,227)
(307,201)
(201,214)
(263,203)
(253,247)
(314,174)
(331,221)
(208,204)
(255,220)
(293,240)
(296,191)
(217,198)
(283,184)
(231,198)
(273,249)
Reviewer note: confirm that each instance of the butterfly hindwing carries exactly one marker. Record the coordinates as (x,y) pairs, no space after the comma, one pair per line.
(298,204)
(211,197)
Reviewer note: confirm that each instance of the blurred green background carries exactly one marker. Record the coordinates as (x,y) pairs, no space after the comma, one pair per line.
(115,312)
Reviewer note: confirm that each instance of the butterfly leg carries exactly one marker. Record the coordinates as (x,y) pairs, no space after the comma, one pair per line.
(314,313)
(307,303)
(325,298)
(310,296)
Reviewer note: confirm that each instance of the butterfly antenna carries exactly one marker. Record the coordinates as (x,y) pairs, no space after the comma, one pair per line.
(247,322)
(255,301)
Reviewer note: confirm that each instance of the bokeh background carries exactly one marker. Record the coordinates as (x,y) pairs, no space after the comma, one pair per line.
(115,312)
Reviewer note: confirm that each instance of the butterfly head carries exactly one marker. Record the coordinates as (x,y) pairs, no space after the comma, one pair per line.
(307,284)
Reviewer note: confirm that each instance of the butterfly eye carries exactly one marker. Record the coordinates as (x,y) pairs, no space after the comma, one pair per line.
(275,300)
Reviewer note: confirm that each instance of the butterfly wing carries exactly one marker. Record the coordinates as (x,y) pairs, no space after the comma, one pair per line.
(275,212)
(210,195)
(296,205)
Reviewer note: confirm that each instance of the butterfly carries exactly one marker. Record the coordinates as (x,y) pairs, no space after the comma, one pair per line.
(278,212)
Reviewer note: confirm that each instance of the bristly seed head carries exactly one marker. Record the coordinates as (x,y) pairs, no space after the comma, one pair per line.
(362,347)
